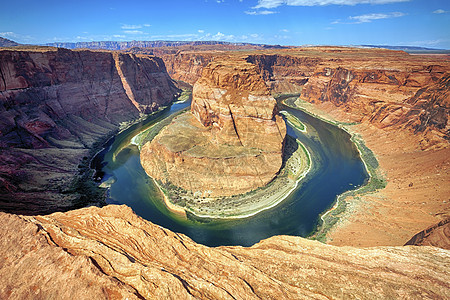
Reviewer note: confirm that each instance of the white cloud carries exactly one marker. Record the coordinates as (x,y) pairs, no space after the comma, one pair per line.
(219,36)
(371,17)
(184,37)
(128,26)
(17,37)
(201,31)
(134,26)
(268,4)
(427,43)
(440,11)
(260,12)
(8,34)
(284,30)
(133,32)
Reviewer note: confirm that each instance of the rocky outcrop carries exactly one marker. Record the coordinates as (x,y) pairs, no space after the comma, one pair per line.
(390,89)
(402,92)
(437,235)
(111,253)
(186,66)
(54,105)
(232,142)
(284,73)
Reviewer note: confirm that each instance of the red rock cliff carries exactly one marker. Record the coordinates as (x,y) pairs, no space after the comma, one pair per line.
(54,104)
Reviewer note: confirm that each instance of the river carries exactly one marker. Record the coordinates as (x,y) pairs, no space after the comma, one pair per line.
(337,167)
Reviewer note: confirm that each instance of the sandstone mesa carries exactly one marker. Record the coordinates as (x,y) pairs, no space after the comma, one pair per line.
(230,143)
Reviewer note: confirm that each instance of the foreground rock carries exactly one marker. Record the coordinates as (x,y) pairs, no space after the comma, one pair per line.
(231,143)
(111,253)
(54,106)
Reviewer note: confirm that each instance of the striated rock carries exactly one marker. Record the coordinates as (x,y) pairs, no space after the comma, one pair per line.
(390,89)
(95,253)
(232,142)
(437,235)
(401,92)
(186,66)
(54,105)
(284,73)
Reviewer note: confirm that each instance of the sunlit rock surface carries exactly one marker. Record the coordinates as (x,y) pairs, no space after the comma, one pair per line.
(230,143)
(111,253)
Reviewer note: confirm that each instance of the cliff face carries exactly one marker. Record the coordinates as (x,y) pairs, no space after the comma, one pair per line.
(186,66)
(284,73)
(417,100)
(390,89)
(95,253)
(231,143)
(54,104)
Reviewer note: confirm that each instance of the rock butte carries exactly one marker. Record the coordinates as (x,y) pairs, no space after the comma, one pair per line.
(230,143)
(400,100)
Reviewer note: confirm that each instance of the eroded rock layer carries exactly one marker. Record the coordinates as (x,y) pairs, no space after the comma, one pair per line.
(230,143)
(391,89)
(110,253)
(54,105)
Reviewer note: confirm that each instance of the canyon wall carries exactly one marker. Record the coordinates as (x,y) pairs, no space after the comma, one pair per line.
(390,89)
(54,105)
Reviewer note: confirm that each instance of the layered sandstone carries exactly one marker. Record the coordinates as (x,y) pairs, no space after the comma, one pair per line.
(54,105)
(110,253)
(230,143)
(390,89)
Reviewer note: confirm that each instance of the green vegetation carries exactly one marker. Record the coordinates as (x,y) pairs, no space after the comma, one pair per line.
(184,96)
(294,121)
(149,134)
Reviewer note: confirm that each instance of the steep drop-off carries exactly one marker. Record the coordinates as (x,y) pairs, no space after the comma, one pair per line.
(54,105)
(230,143)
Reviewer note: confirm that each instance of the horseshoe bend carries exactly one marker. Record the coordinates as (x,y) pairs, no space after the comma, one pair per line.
(230,143)
(60,106)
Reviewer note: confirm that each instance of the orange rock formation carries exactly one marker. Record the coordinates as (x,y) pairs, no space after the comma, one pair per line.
(232,142)
(111,253)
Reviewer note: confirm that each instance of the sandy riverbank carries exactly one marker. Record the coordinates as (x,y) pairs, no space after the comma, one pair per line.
(416,195)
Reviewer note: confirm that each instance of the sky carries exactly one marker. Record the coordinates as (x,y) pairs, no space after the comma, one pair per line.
(423,23)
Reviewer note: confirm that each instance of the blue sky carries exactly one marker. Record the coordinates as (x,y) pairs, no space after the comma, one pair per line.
(286,22)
